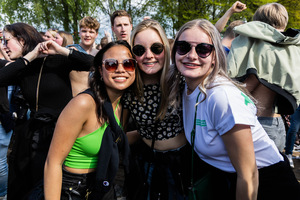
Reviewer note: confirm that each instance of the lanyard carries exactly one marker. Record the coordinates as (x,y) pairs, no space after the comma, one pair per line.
(193,140)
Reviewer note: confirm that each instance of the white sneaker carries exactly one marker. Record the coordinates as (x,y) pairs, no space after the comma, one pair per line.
(290,157)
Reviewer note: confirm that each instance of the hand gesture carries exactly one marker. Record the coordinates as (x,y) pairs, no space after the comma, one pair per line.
(50,48)
(238,7)
(108,36)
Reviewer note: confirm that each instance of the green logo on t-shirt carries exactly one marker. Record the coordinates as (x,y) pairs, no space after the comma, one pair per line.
(247,99)
(200,122)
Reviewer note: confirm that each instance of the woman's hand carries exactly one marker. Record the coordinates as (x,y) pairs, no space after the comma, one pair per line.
(51,48)
(35,53)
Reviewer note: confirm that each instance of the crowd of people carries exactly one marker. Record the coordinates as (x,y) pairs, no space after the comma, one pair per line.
(144,116)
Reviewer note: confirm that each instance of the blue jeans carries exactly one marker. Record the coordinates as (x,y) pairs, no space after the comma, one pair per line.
(292,132)
(4,142)
(274,126)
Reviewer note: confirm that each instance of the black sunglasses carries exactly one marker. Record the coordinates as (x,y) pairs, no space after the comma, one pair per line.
(156,48)
(203,49)
(111,64)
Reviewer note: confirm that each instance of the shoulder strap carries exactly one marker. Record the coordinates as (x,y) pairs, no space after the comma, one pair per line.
(119,136)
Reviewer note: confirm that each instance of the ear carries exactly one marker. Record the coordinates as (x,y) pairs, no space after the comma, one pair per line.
(112,28)
(22,42)
(131,27)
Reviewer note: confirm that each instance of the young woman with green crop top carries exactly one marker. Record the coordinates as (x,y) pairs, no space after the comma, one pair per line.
(80,127)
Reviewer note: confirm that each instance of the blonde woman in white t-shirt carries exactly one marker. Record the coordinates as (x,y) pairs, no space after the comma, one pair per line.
(228,135)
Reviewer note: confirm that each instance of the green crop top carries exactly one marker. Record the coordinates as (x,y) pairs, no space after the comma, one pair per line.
(84,153)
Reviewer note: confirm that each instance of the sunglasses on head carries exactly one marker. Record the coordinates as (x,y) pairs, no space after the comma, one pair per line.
(156,48)
(203,50)
(112,64)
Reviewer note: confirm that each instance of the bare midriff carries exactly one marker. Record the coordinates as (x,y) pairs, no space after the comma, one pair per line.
(169,144)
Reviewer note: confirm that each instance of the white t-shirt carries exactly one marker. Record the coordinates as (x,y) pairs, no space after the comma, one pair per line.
(224,106)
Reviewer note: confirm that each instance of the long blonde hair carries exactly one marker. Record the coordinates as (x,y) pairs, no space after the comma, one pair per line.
(164,85)
(218,69)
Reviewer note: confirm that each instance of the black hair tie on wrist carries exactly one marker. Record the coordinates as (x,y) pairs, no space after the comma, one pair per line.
(25,61)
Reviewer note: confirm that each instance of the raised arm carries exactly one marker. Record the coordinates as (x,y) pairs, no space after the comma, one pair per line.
(239,145)
(69,57)
(235,8)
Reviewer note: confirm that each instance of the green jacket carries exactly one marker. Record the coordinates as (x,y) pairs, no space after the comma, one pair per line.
(273,56)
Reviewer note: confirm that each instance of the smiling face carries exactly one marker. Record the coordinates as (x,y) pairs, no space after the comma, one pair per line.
(87,36)
(13,47)
(149,63)
(120,79)
(191,66)
(122,28)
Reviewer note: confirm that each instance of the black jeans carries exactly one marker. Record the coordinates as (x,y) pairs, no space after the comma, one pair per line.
(76,186)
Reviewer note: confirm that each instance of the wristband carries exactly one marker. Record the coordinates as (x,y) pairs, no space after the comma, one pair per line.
(71,51)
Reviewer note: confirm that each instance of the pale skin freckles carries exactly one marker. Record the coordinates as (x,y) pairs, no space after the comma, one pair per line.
(193,67)
(149,63)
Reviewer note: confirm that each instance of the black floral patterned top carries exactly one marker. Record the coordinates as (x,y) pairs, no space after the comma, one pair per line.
(144,112)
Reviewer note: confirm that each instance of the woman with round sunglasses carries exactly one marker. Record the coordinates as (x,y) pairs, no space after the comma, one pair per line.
(79,131)
(41,69)
(162,150)
(227,135)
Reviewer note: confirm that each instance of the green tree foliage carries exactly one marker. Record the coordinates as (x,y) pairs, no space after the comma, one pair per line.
(172,14)
(293,8)
(44,14)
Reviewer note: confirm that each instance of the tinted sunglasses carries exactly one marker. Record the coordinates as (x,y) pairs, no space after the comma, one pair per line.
(5,41)
(156,48)
(112,64)
(203,50)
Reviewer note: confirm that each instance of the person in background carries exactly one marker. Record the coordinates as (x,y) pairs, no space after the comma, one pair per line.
(45,84)
(121,25)
(163,153)
(267,60)
(50,34)
(88,33)
(73,154)
(229,35)
(6,126)
(64,38)
(291,136)
(237,7)
(227,134)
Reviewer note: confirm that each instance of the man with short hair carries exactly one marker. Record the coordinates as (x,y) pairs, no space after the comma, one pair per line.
(267,60)
(88,32)
(121,25)
(230,35)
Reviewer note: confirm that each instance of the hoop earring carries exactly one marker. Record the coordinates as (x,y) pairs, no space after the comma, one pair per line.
(101,78)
